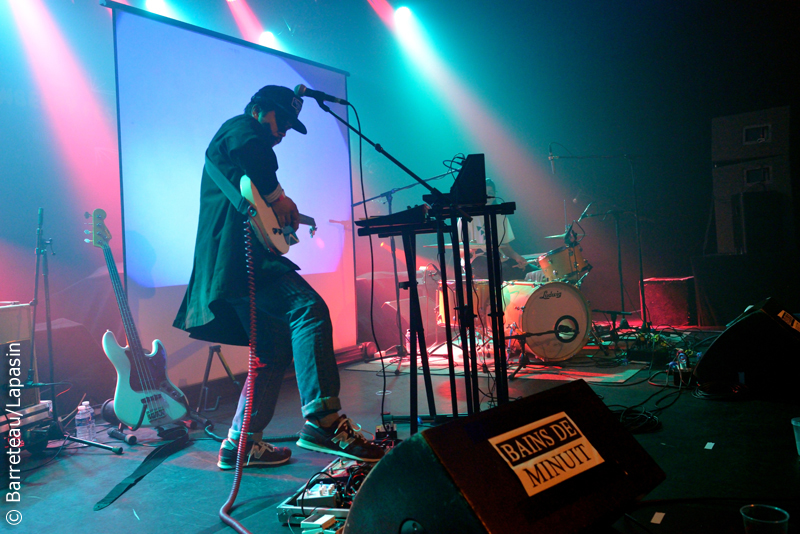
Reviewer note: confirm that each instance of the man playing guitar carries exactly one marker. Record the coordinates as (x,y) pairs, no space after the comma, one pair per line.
(293,322)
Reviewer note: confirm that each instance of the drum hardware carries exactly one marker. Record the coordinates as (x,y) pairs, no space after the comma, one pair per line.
(554,318)
(614,333)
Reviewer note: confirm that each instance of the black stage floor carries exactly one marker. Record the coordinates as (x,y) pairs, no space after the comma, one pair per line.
(717,454)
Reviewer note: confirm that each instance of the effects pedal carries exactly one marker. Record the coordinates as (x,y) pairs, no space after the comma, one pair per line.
(386,432)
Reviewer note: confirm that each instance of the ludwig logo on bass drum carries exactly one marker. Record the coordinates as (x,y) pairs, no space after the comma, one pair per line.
(550,295)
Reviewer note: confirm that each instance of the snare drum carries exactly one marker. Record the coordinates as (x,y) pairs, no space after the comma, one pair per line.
(480,300)
(565,264)
(556,307)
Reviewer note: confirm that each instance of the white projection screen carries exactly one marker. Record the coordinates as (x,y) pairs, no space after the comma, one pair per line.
(176,85)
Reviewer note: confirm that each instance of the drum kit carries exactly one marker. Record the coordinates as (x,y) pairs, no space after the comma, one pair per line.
(547,313)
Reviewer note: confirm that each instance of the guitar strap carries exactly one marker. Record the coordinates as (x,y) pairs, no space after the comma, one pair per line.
(158,455)
(238,201)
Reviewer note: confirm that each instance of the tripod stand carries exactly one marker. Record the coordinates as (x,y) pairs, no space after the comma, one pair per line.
(57,430)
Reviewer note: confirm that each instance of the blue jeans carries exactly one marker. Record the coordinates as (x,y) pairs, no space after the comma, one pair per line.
(292,322)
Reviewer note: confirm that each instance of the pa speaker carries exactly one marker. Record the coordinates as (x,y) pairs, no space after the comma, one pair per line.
(558,461)
(760,349)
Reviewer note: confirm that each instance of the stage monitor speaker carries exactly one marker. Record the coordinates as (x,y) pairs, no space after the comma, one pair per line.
(558,461)
(760,349)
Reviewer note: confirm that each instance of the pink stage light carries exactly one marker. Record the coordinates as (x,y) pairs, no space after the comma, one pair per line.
(249,25)
(384,11)
(84,131)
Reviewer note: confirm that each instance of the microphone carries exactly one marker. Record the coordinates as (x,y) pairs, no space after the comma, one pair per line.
(301,90)
(584,212)
(552,162)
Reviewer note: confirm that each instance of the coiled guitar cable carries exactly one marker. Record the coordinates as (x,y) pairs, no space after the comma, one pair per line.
(224,512)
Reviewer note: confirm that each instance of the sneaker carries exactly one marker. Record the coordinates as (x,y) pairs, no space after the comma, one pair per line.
(259,453)
(340,439)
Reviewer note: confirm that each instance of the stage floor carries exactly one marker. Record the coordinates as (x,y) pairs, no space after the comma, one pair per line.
(717,454)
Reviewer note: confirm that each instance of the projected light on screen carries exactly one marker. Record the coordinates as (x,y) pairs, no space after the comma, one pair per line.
(172,100)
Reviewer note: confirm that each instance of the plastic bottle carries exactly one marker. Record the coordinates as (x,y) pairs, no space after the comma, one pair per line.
(90,411)
(82,419)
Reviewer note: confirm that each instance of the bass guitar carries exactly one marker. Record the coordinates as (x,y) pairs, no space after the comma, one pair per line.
(144,396)
(265,224)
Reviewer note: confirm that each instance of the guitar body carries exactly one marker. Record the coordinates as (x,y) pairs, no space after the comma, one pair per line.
(265,224)
(154,403)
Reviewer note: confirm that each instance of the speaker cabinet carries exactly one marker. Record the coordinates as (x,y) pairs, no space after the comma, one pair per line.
(760,350)
(757,222)
(752,152)
(671,301)
(558,461)
(15,352)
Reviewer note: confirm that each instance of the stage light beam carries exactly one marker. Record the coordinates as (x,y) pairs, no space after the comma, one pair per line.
(267,38)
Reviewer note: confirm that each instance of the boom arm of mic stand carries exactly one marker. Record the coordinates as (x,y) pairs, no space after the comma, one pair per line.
(397,189)
(435,192)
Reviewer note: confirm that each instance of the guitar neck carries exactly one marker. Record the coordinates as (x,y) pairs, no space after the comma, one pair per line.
(131,333)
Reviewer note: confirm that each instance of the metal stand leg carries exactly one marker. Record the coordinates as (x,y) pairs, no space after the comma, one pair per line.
(202,401)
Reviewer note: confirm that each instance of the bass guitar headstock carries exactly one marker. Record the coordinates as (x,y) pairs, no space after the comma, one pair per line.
(99,232)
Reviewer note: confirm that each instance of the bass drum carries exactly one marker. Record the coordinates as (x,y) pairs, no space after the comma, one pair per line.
(556,310)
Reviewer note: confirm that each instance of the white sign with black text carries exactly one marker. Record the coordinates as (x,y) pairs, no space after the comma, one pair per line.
(546,452)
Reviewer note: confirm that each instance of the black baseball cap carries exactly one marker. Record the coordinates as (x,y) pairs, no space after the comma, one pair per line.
(285,101)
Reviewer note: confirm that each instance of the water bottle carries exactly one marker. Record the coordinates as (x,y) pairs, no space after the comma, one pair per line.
(90,411)
(82,419)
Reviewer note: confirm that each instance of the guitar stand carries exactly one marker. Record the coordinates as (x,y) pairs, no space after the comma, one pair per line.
(202,401)
(169,431)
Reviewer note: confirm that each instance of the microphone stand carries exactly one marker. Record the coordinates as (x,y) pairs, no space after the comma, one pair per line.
(415,319)
(616,214)
(389,196)
(645,325)
(41,258)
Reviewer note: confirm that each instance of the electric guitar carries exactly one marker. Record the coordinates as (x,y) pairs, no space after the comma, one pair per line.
(144,396)
(265,224)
